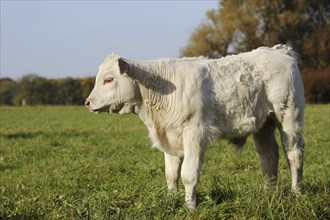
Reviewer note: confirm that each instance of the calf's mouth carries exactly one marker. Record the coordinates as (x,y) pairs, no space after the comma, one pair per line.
(109,109)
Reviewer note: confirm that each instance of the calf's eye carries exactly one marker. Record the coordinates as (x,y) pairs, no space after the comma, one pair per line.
(106,81)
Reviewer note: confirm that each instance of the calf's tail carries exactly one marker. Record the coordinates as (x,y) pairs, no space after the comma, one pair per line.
(285,49)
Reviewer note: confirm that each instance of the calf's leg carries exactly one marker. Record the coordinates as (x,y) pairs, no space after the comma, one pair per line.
(194,147)
(267,149)
(293,144)
(172,171)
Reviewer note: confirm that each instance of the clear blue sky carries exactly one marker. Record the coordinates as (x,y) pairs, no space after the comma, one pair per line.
(57,39)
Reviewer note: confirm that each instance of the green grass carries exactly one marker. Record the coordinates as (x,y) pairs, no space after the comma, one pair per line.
(65,163)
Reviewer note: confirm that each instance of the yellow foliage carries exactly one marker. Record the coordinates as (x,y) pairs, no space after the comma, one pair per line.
(242,25)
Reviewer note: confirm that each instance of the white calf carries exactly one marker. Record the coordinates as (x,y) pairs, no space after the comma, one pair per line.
(186,103)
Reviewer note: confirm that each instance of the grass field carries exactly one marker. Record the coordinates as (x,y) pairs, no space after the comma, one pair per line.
(66,163)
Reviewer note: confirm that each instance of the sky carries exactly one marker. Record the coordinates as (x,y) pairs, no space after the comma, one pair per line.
(57,39)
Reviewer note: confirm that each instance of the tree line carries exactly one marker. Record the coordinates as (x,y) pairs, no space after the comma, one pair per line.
(32,89)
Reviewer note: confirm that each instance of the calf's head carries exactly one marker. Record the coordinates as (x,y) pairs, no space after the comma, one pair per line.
(114,90)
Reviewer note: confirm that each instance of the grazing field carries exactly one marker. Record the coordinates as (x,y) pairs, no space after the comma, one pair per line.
(66,163)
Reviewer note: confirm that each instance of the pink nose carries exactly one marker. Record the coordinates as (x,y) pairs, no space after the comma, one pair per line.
(87,103)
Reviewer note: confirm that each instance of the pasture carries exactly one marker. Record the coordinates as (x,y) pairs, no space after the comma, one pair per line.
(66,163)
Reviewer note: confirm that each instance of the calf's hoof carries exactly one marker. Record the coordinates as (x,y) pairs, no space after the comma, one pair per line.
(190,205)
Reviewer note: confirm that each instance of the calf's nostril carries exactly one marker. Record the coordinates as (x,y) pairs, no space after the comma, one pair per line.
(87,103)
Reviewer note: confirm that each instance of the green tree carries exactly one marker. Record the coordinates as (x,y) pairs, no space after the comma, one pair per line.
(69,91)
(7,91)
(27,91)
(33,90)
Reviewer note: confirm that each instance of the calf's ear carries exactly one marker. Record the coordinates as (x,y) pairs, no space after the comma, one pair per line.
(125,68)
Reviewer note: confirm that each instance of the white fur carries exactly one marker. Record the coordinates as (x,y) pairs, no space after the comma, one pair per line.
(186,103)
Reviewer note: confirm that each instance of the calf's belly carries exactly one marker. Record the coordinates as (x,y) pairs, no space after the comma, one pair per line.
(168,141)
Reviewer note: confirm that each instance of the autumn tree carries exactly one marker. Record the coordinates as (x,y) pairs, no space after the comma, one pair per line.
(242,25)
(87,85)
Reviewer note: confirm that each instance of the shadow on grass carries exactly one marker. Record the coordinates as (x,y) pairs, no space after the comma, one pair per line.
(23,135)
(23,216)
(219,192)
(6,167)
(315,188)
(30,135)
